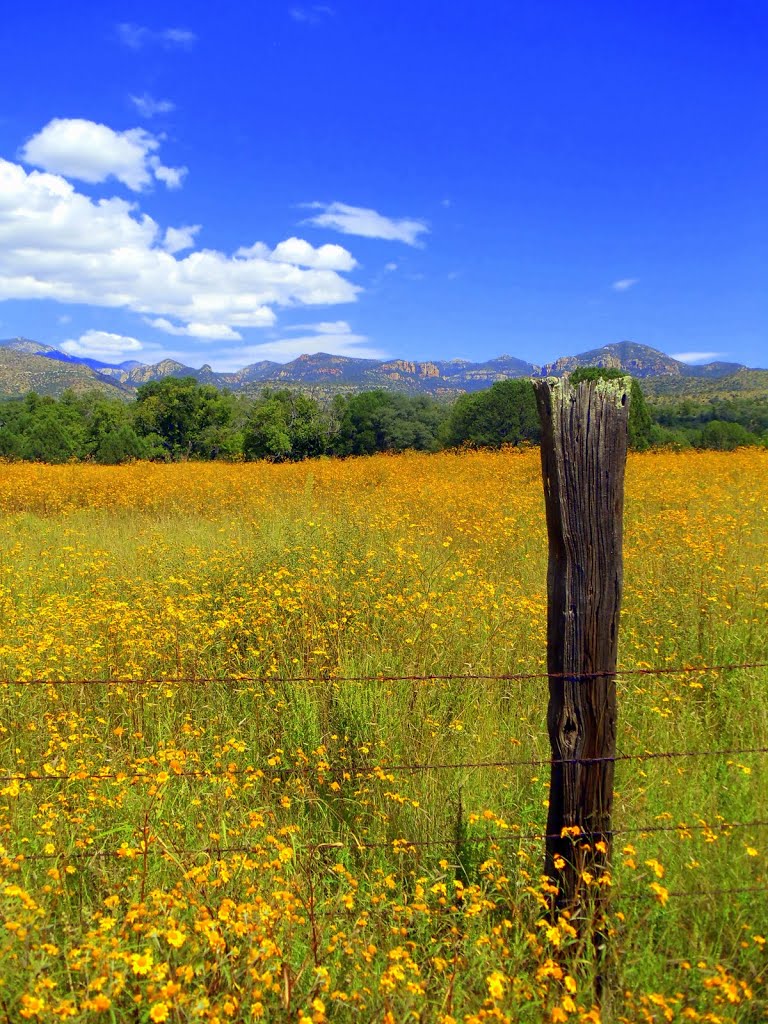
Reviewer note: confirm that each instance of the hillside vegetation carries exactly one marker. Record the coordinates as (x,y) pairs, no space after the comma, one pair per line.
(324,376)
(21,373)
(742,384)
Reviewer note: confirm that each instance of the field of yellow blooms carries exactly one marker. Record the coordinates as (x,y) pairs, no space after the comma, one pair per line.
(203,818)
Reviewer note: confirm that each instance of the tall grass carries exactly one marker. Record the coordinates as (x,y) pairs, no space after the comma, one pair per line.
(226,582)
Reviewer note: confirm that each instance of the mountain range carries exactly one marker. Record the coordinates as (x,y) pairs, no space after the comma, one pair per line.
(27,365)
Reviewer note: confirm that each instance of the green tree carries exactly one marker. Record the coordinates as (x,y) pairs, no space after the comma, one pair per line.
(11,430)
(49,438)
(267,434)
(191,420)
(285,424)
(380,421)
(121,444)
(505,413)
(725,437)
(110,437)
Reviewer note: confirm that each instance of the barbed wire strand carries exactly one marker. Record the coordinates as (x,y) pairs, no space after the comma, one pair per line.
(385,678)
(692,893)
(373,770)
(400,845)
(139,853)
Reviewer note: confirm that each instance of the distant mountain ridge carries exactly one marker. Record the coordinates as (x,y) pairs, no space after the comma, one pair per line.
(640,361)
(30,365)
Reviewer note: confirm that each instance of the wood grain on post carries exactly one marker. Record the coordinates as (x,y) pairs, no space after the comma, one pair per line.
(583,455)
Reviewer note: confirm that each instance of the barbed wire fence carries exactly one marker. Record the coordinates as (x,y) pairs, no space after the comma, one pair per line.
(149,846)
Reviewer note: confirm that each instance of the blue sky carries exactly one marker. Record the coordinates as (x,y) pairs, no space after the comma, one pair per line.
(247,180)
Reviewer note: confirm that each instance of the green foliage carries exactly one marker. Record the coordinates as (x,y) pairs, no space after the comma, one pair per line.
(41,430)
(504,414)
(178,419)
(694,420)
(380,421)
(49,439)
(267,433)
(110,437)
(285,425)
(191,419)
(724,436)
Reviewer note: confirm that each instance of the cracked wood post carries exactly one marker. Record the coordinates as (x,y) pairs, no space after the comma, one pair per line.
(583,455)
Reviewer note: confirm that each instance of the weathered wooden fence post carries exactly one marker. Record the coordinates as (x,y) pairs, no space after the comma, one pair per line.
(583,455)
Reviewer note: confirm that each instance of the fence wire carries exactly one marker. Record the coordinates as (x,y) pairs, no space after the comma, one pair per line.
(358,770)
(329,677)
(150,845)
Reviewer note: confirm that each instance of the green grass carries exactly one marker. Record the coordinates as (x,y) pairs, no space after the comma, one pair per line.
(400,567)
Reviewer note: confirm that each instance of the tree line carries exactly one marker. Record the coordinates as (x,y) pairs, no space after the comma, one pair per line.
(178,419)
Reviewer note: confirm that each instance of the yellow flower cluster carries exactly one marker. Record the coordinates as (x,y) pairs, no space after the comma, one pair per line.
(215,795)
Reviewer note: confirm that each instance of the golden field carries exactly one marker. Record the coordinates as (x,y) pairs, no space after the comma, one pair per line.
(229,829)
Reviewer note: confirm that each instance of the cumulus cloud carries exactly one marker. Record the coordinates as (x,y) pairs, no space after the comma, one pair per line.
(135,37)
(57,243)
(101,345)
(211,332)
(698,357)
(148,106)
(624,284)
(92,152)
(300,252)
(179,239)
(357,220)
(333,327)
(171,177)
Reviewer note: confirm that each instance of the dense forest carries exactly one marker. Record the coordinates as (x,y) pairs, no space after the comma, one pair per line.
(178,418)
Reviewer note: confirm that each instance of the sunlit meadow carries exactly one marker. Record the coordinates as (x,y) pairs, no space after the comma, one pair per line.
(256,848)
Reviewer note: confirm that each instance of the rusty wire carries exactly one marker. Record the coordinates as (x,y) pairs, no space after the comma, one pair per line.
(358,770)
(384,678)
(148,846)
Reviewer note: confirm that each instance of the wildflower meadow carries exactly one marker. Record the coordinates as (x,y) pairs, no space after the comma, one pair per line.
(257,763)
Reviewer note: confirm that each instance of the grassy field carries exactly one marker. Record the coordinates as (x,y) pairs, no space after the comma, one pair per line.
(249,852)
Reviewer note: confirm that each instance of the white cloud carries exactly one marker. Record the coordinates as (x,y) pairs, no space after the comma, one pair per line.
(92,152)
(300,252)
(177,37)
(333,327)
(624,284)
(698,357)
(312,14)
(324,327)
(213,332)
(178,239)
(101,345)
(56,243)
(357,220)
(137,36)
(148,106)
(171,177)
